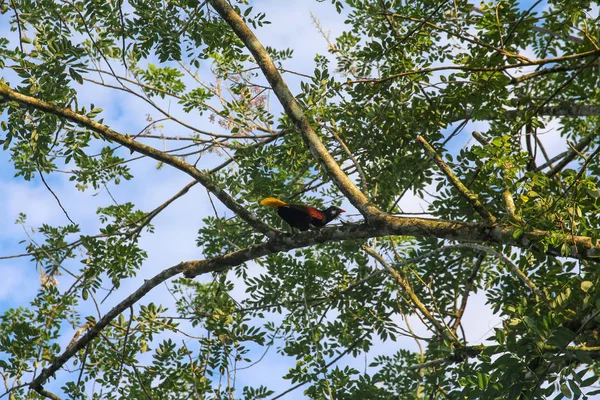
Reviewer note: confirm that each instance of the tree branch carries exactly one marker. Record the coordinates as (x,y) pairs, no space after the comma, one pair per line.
(468,287)
(560,110)
(571,154)
(294,110)
(131,144)
(582,248)
(417,304)
(95,330)
(470,196)
(47,394)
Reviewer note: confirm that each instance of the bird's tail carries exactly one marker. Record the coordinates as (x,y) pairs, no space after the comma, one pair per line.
(272,202)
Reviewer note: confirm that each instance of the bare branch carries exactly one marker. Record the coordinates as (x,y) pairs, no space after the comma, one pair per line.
(468,288)
(18,20)
(55,197)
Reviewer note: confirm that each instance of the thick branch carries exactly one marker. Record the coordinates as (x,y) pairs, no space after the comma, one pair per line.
(581,248)
(571,154)
(561,110)
(131,144)
(47,394)
(294,110)
(93,332)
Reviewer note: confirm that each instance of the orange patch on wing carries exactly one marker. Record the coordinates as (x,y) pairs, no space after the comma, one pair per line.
(313,212)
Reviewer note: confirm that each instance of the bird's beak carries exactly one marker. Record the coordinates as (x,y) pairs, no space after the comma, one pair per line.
(342,210)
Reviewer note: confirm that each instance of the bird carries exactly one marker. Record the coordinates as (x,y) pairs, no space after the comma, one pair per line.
(301,216)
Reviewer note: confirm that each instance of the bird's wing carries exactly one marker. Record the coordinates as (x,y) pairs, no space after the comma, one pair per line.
(313,212)
(295,217)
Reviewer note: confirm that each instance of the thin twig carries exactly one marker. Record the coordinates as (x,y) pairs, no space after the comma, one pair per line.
(12,4)
(571,154)
(124,351)
(468,288)
(55,197)
(83,361)
(123,53)
(361,173)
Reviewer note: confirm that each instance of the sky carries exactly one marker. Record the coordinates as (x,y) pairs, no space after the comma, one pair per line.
(177,226)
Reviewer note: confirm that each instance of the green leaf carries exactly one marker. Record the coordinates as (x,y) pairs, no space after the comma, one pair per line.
(586,286)
(76,76)
(564,389)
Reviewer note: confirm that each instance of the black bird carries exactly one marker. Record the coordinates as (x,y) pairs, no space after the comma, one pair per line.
(300,216)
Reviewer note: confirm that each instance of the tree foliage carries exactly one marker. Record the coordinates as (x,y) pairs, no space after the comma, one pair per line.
(461,106)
